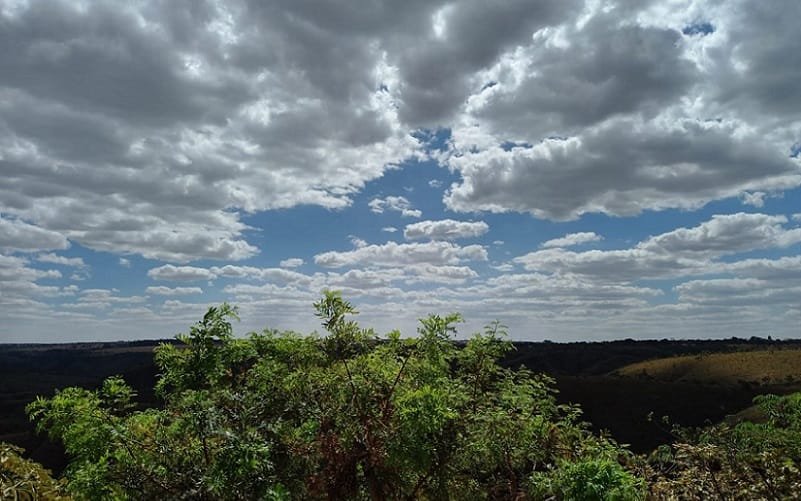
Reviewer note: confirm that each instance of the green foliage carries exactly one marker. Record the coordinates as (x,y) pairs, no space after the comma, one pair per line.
(745,461)
(344,416)
(22,479)
(589,479)
(347,415)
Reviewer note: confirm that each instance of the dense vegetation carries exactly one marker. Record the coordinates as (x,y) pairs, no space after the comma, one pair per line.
(348,416)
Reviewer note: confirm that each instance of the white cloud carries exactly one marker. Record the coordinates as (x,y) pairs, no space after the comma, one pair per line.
(551,179)
(103,298)
(395,204)
(677,253)
(445,229)
(572,239)
(678,121)
(125,263)
(428,273)
(726,234)
(503,267)
(389,229)
(19,282)
(357,242)
(17,235)
(278,275)
(180,273)
(556,109)
(75,262)
(159,157)
(184,124)
(293,262)
(173,291)
(755,199)
(394,254)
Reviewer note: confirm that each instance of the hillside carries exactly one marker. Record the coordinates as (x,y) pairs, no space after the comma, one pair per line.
(763,366)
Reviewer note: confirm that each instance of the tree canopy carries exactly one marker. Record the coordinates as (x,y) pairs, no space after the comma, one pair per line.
(351,415)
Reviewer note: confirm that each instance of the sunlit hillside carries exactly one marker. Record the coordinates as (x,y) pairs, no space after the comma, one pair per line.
(760,366)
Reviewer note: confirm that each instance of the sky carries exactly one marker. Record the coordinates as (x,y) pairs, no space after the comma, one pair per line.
(578,170)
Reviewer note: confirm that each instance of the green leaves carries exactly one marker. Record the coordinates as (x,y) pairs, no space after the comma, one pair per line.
(745,461)
(591,479)
(345,416)
(22,479)
(197,364)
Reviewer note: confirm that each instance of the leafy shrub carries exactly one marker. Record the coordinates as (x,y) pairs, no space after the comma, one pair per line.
(22,479)
(588,479)
(345,416)
(745,461)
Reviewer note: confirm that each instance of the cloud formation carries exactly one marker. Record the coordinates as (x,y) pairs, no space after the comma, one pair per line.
(445,229)
(572,239)
(173,291)
(152,129)
(621,112)
(395,254)
(183,137)
(394,204)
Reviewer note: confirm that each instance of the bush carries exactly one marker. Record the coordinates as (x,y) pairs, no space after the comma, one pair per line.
(745,461)
(588,479)
(345,416)
(23,479)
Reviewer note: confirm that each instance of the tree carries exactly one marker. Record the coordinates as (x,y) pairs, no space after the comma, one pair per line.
(348,415)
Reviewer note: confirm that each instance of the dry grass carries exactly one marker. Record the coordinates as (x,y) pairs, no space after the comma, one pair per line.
(758,366)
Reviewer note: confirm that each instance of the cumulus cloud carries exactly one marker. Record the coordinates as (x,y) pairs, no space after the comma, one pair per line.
(17,235)
(173,291)
(153,129)
(250,272)
(677,253)
(445,229)
(395,204)
(292,262)
(103,298)
(572,239)
(180,273)
(622,167)
(160,130)
(172,273)
(755,199)
(622,112)
(726,234)
(75,262)
(208,112)
(395,254)
(20,282)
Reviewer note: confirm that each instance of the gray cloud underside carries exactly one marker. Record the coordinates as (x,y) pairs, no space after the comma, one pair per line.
(623,113)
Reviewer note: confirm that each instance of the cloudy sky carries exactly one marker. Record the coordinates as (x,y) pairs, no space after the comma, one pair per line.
(580,170)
